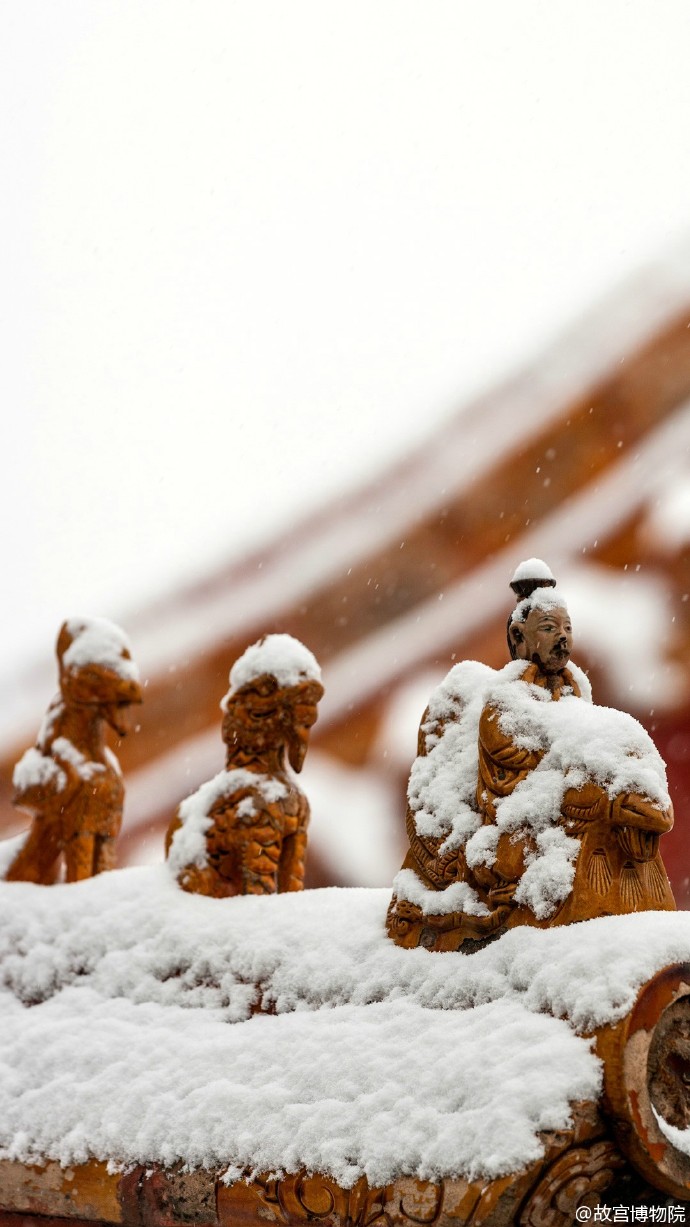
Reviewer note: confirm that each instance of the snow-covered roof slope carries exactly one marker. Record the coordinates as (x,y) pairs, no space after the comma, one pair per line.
(351,1057)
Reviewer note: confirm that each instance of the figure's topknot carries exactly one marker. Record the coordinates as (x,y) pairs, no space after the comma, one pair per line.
(530,575)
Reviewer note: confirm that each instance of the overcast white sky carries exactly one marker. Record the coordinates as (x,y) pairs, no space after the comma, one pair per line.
(253,250)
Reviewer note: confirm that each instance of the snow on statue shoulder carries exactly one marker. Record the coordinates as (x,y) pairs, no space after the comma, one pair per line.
(245,831)
(527,804)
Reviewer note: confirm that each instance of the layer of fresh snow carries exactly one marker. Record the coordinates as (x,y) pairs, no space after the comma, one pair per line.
(99,641)
(281,656)
(50,765)
(532,568)
(35,769)
(459,897)
(582,741)
(541,598)
(443,782)
(66,750)
(116,996)
(189,845)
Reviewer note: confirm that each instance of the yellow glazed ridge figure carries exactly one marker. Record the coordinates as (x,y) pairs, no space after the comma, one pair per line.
(70,782)
(562,818)
(245,831)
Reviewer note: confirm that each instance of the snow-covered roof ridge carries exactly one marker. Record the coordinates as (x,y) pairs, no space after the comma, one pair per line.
(363,669)
(133,983)
(368,517)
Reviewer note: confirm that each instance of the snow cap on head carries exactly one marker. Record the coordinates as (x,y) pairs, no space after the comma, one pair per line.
(531,574)
(532,568)
(541,598)
(279,656)
(96,641)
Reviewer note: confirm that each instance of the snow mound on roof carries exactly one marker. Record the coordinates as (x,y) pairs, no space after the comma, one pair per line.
(280,656)
(376,1061)
(98,641)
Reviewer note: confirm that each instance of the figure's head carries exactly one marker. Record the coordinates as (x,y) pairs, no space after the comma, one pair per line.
(264,716)
(540,631)
(275,689)
(530,574)
(96,669)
